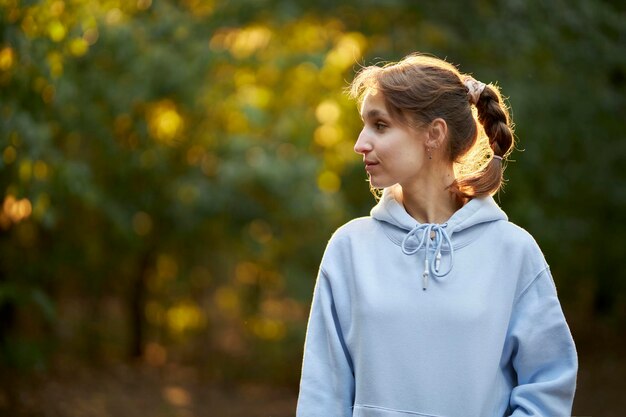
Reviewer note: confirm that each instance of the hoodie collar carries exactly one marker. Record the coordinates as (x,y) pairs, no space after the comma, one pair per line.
(460,229)
(475,212)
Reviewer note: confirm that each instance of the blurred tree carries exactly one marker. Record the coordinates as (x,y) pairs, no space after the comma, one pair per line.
(166,160)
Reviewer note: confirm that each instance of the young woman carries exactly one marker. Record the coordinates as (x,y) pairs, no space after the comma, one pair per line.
(435,305)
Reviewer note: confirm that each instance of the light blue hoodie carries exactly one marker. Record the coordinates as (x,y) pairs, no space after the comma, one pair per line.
(485,338)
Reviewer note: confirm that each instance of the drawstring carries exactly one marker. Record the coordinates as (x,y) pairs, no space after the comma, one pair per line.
(440,235)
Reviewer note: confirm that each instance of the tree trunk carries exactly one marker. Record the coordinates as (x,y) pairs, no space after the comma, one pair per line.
(137,302)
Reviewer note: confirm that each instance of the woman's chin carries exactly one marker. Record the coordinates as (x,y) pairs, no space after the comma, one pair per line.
(377,183)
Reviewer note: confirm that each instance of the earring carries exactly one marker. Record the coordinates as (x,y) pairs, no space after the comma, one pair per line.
(429,152)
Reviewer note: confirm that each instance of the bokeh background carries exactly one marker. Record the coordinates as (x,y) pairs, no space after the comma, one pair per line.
(171,170)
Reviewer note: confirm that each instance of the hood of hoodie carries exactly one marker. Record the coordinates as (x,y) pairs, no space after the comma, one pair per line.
(468,219)
(464,226)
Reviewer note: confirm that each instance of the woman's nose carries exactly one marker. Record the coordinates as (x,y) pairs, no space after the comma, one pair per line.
(362,144)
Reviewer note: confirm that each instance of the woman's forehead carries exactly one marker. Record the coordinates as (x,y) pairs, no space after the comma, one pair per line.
(373,104)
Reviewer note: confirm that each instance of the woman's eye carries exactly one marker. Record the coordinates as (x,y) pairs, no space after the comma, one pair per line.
(380,126)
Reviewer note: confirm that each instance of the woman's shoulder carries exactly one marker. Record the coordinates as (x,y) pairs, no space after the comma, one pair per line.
(513,233)
(354,230)
(355,226)
(346,237)
(516,240)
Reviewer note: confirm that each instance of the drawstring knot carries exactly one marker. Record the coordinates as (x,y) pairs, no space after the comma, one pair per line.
(436,235)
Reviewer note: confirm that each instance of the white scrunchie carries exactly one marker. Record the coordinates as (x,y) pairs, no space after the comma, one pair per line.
(474,89)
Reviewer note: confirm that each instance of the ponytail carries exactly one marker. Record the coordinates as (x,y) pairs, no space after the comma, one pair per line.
(494,117)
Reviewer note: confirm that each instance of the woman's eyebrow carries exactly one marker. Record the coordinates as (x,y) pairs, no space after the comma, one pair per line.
(373,114)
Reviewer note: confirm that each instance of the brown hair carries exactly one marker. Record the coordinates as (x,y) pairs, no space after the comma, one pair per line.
(419,89)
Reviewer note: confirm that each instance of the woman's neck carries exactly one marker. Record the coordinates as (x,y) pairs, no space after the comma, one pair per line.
(429,201)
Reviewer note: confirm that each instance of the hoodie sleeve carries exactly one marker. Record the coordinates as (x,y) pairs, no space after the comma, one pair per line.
(327,382)
(543,353)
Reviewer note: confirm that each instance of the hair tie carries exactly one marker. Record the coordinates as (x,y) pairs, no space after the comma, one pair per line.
(497,157)
(474,89)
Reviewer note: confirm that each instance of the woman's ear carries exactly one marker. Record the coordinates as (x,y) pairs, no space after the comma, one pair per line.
(437,133)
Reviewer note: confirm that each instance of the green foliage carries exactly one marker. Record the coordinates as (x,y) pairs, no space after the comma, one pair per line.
(171,170)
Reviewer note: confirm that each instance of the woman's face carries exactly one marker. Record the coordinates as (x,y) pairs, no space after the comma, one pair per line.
(393,153)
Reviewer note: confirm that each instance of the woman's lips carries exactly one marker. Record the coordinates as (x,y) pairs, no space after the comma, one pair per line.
(370,165)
